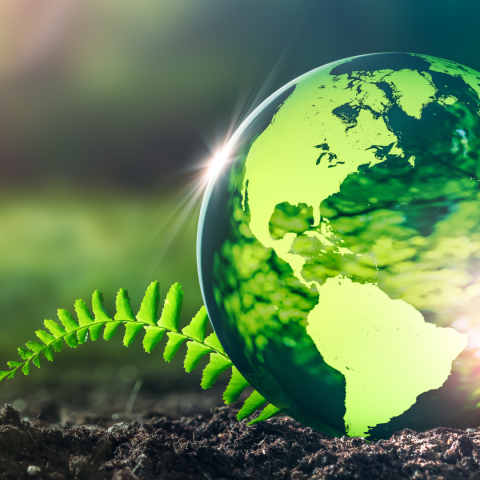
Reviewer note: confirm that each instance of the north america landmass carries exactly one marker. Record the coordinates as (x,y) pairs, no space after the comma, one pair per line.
(306,153)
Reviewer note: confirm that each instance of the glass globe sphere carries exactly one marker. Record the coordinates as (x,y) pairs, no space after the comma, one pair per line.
(339,246)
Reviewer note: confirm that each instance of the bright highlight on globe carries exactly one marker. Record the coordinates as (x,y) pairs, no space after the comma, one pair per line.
(339,246)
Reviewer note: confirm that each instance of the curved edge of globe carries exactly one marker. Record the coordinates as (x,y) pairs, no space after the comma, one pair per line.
(232,142)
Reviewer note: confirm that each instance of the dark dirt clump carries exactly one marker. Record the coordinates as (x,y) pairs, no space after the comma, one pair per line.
(216,446)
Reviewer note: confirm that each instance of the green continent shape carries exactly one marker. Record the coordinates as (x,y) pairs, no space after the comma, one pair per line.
(467,74)
(281,165)
(387,352)
(309,149)
(413,91)
(303,156)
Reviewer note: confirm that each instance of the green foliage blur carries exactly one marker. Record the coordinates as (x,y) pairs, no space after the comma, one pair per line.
(57,248)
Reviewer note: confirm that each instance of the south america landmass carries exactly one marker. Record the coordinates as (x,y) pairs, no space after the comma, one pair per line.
(387,352)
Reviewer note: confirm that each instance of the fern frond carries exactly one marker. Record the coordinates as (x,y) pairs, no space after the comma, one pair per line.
(194,334)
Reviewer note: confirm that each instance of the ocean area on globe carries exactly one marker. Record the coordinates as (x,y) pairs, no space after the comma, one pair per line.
(339,246)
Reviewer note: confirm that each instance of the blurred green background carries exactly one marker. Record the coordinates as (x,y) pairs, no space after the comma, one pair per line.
(110,111)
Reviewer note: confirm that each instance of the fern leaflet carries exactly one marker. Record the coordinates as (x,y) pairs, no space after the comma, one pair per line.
(235,387)
(252,403)
(268,412)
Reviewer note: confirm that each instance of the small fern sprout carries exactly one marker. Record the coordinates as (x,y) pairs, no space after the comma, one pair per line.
(75,333)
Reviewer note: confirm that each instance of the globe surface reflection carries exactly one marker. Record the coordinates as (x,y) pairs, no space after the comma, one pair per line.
(339,246)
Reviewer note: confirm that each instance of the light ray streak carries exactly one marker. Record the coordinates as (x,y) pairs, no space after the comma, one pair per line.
(179,220)
(188,206)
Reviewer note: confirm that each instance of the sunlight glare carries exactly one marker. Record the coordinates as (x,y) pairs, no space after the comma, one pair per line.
(217,163)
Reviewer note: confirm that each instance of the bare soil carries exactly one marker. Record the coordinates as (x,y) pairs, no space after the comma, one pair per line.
(213,445)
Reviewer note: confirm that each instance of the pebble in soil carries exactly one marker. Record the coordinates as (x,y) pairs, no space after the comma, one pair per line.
(219,447)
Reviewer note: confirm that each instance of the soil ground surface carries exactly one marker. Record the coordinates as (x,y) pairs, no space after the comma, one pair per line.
(182,436)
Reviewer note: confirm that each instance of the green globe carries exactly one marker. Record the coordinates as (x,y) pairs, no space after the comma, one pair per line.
(339,246)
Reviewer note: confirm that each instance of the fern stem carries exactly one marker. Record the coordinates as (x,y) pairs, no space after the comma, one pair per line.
(144,324)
